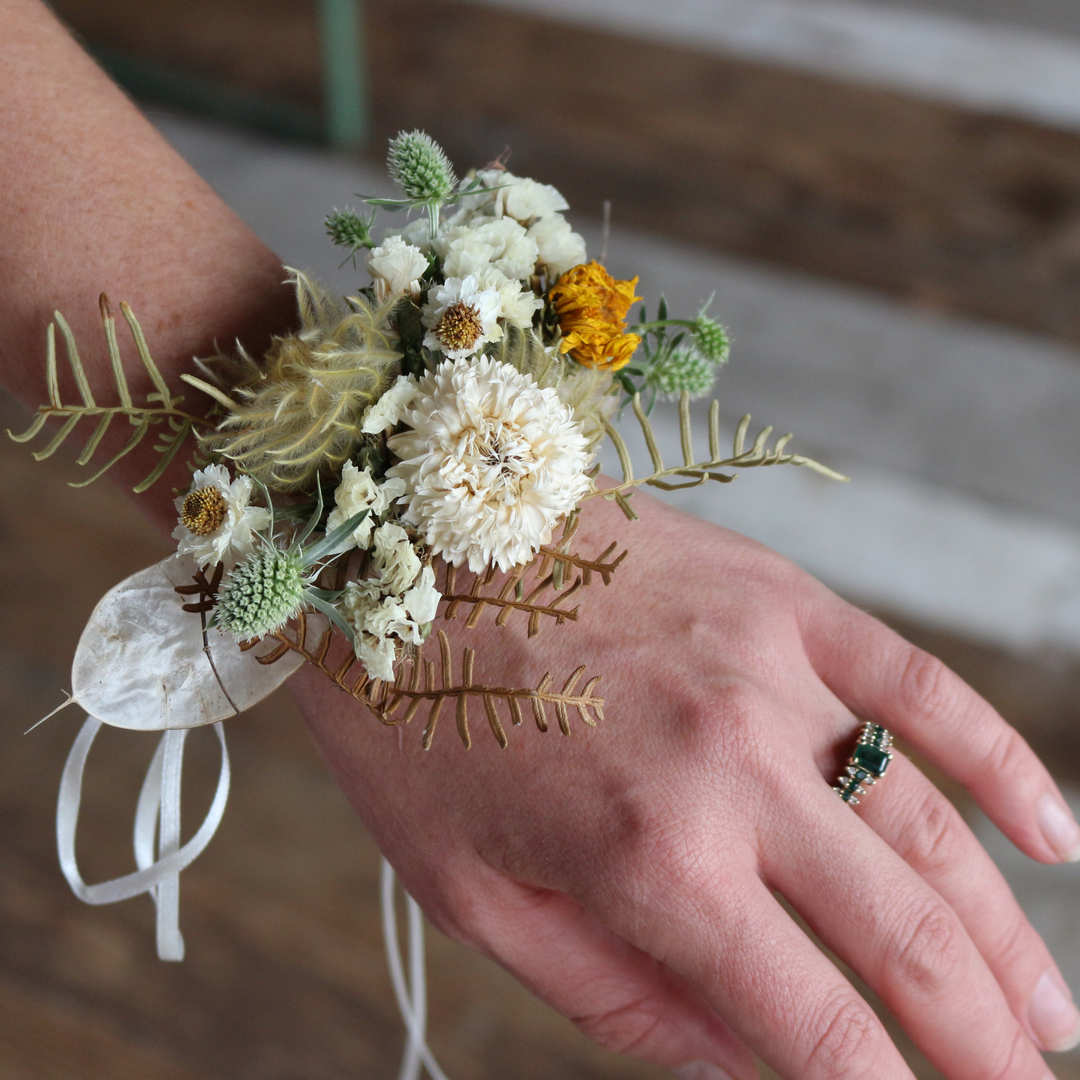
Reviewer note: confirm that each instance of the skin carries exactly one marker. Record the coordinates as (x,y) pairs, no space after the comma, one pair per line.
(626,874)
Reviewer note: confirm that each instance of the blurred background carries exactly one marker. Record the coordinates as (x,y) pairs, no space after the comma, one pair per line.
(884,199)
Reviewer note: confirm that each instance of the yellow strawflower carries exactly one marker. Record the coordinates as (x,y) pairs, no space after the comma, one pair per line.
(591,306)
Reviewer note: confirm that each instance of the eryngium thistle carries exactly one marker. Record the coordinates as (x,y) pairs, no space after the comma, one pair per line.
(420,167)
(261,594)
(683,370)
(348,229)
(299,413)
(711,339)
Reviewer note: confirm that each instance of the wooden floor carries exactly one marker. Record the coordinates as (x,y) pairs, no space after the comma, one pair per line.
(284,976)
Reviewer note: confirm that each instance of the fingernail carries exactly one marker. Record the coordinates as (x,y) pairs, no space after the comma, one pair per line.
(1052,1014)
(1059,827)
(701,1070)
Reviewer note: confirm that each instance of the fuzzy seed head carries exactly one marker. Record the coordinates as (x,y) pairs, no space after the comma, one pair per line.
(204,511)
(261,594)
(711,339)
(420,167)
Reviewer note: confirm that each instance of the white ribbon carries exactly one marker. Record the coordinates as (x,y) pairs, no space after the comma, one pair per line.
(158,811)
(413,1006)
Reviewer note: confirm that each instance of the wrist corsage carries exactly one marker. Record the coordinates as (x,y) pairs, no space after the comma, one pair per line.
(419,452)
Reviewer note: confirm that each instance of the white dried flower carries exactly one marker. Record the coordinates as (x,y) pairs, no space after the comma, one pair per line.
(560,248)
(514,252)
(463,252)
(521,198)
(394,558)
(422,600)
(396,268)
(359,491)
(386,412)
(377,655)
(461,317)
(518,303)
(216,522)
(491,463)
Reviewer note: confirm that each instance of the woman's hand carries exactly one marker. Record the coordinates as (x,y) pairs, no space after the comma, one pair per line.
(627,874)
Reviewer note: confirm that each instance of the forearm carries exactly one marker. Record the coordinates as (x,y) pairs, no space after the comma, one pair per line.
(95,200)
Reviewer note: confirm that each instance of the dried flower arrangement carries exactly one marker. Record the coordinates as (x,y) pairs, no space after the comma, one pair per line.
(447,416)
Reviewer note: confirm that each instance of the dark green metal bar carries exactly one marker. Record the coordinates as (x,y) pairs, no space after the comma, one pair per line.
(344,73)
(154,82)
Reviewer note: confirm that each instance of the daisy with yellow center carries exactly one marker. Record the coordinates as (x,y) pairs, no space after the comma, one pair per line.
(216,523)
(591,307)
(461,317)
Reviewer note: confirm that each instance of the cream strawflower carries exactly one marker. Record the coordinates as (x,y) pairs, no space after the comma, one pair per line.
(521,198)
(396,268)
(358,491)
(461,317)
(491,463)
(216,522)
(386,412)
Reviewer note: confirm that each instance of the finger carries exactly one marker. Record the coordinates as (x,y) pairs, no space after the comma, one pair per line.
(755,967)
(620,997)
(882,677)
(901,937)
(925,830)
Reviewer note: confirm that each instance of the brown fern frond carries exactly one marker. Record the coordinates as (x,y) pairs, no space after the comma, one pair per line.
(416,684)
(507,593)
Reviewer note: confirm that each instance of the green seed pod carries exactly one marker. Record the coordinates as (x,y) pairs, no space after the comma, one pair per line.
(683,369)
(261,594)
(711,339)
(420,167)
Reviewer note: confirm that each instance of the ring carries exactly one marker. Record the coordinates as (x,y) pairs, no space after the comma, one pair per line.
(866,765)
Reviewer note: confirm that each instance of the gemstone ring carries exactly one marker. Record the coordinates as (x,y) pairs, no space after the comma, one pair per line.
(866,765)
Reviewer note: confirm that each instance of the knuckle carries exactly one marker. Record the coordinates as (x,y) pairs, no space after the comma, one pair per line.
(929,952)
(845,1042)
(1008,756)
(936,839)
(927,687)
(627,1029)
(1016,947)
(1010,1063)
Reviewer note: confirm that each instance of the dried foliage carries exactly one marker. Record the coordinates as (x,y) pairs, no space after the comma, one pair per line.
(299,414)
(697,472)
(418,685)
(161,408)
(525,588)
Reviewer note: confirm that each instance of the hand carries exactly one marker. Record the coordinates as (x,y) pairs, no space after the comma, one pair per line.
(626,874)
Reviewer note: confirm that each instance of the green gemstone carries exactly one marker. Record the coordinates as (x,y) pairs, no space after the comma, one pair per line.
(871,758)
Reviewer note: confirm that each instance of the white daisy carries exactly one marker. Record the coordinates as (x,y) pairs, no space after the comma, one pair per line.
(216,522)
(490,461)
(461,317)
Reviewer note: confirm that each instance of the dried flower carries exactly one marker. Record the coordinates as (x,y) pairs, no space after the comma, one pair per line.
(216,522)
(490,464)
(396,268)
(300,415)
(357,492)
(591,307)
(386,412)
(559,248)
(461,317)
(262,593)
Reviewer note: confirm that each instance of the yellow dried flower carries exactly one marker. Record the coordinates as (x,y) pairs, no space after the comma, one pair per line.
(591,307)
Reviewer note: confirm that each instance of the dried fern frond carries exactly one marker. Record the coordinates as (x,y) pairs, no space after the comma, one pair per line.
(299,414)
(161,408)
(417,684)
(697,472)
(509,593)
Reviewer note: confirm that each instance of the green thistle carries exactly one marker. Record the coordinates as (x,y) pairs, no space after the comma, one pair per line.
(271,586)
(261,594)
(348,229)
(420,167)
(683,370)
(711,339)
